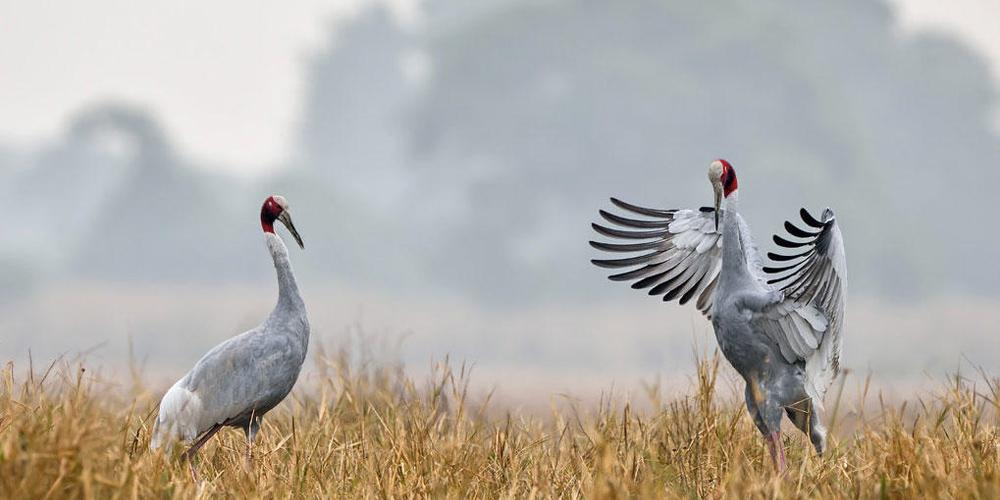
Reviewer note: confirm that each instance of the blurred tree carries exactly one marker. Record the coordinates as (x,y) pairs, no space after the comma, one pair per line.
(59,193)
(154,222)
(351,168)
(358,88)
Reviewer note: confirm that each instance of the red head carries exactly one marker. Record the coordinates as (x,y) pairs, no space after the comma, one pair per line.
(726,175)
(276,208)
(269,213)
(723,178)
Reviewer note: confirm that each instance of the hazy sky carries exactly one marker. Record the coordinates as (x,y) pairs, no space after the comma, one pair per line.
(224,77)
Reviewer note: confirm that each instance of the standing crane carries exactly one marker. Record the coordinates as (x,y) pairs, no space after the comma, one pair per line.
(241,379)
(780,326)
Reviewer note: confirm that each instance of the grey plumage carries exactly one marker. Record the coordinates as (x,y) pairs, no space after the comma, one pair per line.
(243,378)
(779,326)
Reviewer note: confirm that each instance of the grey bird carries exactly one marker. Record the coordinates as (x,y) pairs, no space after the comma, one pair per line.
(779,326)
(243,378)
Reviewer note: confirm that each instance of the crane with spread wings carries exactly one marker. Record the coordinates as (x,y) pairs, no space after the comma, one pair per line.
(780,326)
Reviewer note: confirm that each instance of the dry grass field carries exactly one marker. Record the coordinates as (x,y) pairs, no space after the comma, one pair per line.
(364,430)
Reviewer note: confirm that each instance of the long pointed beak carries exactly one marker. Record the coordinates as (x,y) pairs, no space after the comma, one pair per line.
(718,201)
(286,219)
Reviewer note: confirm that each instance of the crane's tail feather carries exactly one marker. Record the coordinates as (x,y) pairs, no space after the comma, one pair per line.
(178,417)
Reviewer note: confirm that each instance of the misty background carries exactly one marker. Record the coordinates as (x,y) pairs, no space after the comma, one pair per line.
(447,157)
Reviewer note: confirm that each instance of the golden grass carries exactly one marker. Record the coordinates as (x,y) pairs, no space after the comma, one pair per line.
(363,430)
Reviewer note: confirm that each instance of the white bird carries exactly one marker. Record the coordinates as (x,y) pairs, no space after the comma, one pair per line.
(780,327)
(243,378)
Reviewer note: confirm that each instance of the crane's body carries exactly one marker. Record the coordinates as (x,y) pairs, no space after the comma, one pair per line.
(243,378)
(780,327)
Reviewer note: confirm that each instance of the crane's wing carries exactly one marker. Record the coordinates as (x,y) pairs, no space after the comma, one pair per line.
(808,324)
(249,373)
(682,252)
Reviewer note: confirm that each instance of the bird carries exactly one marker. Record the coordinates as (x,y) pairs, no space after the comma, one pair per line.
(780,326)
(244,377)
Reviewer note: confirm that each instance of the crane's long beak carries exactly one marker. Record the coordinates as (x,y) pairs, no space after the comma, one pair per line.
(718,201)
(286,219)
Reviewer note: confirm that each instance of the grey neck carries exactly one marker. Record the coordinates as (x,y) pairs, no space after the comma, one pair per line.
(733,253)
(288,290)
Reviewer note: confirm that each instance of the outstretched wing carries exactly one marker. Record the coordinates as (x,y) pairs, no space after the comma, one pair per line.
(682,252)
(808,324)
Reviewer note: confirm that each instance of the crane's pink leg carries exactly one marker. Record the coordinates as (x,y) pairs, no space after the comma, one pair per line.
(189,454)
(777,451)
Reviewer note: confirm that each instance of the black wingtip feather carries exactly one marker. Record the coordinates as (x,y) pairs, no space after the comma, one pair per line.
(631,235)
(809,219)
(773,270)
(777,257)
(626,262)
(608,263)
(788,244)
(796,231)
(624,247)
(648,281)
(652,212)
(641,224)
(671,283)
(690,294)
(673,293)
